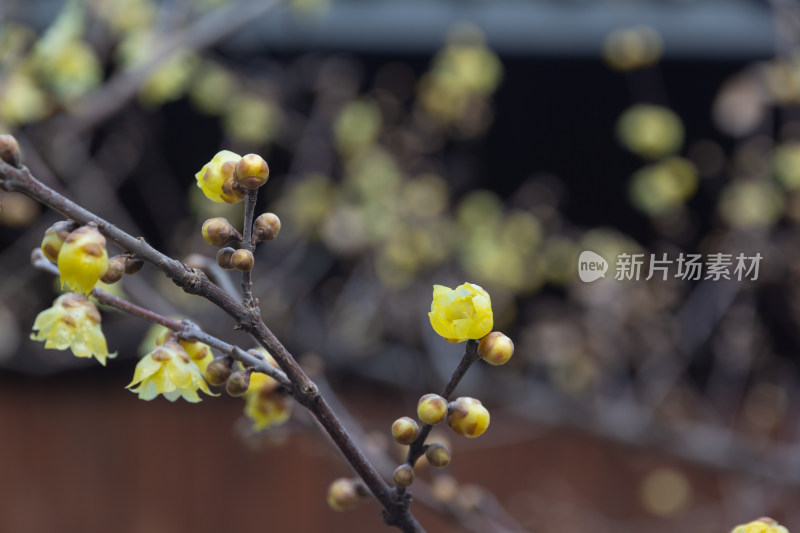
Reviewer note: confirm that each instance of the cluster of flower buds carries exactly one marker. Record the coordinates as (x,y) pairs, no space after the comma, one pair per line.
(82,258)
(220,232)
(465,416)
(266,402)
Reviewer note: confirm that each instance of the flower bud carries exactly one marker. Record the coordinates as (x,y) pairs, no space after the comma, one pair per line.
(468,417)
(266,227)
(115,270)
(218,231)
(238,383)
(242,260)
(54,237)
(197,350)
(432,409)
(252,171)
(405,430)
(217,181)
(438,455)
(83,259)
(219,370)
(495,348)
(403,475)
(9,150)
(224,256)
(343,494)
(133,265)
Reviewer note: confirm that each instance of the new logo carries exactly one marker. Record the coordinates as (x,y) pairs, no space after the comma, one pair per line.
(591,266)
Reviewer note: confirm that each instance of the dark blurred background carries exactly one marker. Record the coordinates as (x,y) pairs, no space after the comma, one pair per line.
(413,143)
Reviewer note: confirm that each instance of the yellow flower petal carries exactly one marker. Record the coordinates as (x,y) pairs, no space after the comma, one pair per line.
(83,259)
(169,371)
(461,314)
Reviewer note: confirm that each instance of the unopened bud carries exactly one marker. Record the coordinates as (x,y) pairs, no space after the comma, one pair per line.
(218,231)
(403,475)
(438,455)
(343,494)
(9,150)
(219,370)
(266,227)
(115,270)
(468,417)
(405,430)
(54,237)
(224,258)
(432,409)
(252,171)
(238,383)
(495,348)
(133,265)
(242,260)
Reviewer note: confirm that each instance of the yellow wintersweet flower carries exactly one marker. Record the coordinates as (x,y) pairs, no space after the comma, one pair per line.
(762,525)
(265,405)
(83,259)
(217,178)
(461,314)
(170,371)
(72,322)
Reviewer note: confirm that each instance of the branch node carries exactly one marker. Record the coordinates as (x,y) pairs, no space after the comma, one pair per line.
(310,390)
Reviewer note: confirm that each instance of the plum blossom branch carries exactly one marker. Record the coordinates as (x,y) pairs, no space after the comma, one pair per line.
(193,281)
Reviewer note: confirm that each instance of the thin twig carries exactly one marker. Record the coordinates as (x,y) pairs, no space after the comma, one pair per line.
(249,213)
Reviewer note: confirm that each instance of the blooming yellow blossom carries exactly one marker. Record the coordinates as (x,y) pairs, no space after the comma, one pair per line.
(265,405)
(170,371)
(461,314)
(762,525)
(83,259)
(72,322)
(217,178)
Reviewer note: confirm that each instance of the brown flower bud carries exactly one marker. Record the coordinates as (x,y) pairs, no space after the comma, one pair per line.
(219,370)
(238,383)
(432,409)
(495,348)
(133,265)
(403,475)
(115,270)
(343,494)
(266,227)
(438,455)
(218,231)
(252,171)
(242,260)
(468,417)
(9,150)
(224,256)
(405,430)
